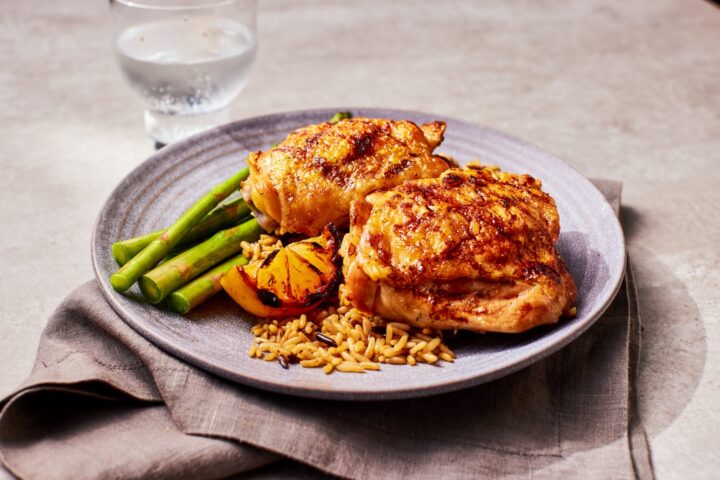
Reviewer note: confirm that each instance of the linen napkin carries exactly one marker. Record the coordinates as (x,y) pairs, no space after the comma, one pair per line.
(103,402)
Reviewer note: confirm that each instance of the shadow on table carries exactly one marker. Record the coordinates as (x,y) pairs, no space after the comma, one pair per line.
(673,349)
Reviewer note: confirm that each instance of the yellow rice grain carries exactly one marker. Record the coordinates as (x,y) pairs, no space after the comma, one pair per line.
(366,326)
(348,357)
(432,345)
(418,347)
(301,348)
(389,352)
(370,365)
(360,358)
(400,326)
(388,333)
(370,349)
(401,343)
(445,349)
(328,327)
(355,333)
(396,361)
(314,363)
(446,357)
(291,342)
(270,356)
(429,357)
(350,367)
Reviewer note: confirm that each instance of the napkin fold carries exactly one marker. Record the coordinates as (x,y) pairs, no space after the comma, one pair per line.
(103,402)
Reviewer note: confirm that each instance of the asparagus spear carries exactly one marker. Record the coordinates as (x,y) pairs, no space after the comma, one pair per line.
(171,275)
(158,248)
(222,217)
(203,287)
(340,116)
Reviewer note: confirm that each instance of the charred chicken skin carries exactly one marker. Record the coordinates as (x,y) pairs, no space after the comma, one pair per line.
(311,178)
(473,249)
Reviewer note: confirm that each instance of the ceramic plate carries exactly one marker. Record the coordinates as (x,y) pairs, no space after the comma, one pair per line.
(216,336)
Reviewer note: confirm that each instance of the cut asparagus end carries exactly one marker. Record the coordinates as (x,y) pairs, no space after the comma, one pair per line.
(178,303)
(202,288)
(121,254)
(120,282)
(150,289)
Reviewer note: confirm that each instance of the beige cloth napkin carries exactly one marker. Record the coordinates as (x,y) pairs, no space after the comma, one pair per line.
(103,402)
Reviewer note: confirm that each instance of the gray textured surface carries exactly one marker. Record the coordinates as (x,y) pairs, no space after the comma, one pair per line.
(159,190)
(625,90)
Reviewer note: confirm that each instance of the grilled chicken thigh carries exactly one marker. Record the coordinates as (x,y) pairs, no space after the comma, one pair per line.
(473,249)
(310,179)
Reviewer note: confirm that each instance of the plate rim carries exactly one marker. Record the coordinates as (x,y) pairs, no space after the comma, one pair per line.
(515,364)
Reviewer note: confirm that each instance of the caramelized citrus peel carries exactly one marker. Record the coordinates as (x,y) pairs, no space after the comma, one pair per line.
(290,281)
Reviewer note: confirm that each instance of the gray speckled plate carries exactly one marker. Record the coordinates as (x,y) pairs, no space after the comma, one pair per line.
(216,336)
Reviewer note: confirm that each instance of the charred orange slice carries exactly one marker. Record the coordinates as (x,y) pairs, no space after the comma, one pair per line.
(291,280)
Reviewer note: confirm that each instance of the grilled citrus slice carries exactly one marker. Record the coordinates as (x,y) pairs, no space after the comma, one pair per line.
(291,280)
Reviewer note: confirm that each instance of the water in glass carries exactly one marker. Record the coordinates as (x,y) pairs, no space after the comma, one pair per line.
(187,65)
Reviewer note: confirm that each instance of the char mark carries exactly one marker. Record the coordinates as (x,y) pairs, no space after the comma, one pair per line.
(269,258)
(312,140)
(329,170)
(534,270)
(452,180)
(398,168)
(378,243)
(361,144)
(269,298)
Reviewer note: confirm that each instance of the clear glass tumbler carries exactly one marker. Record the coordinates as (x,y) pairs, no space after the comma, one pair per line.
(188,59)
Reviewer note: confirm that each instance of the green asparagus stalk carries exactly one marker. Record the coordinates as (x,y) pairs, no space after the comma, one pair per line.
(340,116)
(203,287)
(158,248)
(171,275)
(223,216)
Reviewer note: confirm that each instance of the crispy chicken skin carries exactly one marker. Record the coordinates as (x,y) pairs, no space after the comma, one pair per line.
(310,179)
(473,249)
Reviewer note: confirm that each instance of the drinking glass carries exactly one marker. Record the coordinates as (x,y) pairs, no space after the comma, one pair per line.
(187,59)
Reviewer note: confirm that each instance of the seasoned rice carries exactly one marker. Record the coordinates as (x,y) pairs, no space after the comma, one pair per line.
(362,342)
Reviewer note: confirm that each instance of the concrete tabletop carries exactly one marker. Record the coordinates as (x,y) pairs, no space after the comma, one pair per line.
(626,90)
